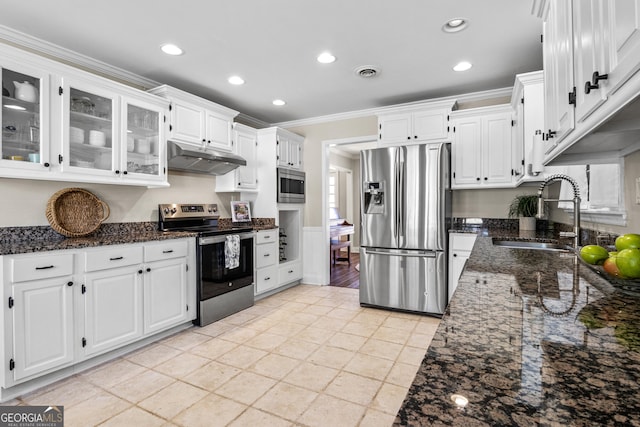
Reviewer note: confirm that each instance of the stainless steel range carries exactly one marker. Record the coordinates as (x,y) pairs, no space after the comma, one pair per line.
(223,287)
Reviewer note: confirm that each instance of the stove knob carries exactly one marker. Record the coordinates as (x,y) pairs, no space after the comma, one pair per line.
(210,210)
(166,211)
(173,210)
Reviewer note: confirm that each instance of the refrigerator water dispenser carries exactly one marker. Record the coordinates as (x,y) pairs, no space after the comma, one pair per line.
(374,198)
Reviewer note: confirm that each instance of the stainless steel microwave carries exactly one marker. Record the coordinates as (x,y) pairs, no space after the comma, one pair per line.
(291,186)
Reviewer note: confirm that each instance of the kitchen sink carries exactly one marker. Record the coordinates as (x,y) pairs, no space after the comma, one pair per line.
(528,244)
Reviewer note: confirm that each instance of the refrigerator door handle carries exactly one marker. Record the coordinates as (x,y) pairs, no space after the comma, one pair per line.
(402,201)
(415,254)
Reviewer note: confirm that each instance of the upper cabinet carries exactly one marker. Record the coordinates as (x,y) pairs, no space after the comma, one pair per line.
(428,122)
(69,125)
(196,121)
(481,148)
(243,178)
(591,59)
(289,151)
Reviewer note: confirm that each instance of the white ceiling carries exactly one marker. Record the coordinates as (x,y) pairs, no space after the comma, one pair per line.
(273,45)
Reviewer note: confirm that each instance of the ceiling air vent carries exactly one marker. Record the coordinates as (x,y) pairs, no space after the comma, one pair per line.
(367,71)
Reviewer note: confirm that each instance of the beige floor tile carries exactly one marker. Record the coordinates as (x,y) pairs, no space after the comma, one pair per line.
(185,340)
(318,310)
(303,318)
(311,376)
(274,366)
(182,365)
(400,323)
(262,324)
(353,388)
(134,417)
(398,336)
(346,341)
(239,334)
(212,375)
(369,366)
(419,340)
(373,418)
(341,313)
(383,349)
(411,355)
(371,317)
(212,411)
(214,348)
(329,302)
(64,393)
(315,335)
(112,373)
(297,349)
(402,374)
(171,400)
(331,357)
(99,408)
(330,323)
(389,398)
(307,299)
(266,341)
(286,401)
(330,411)
(246,387)
(286,329)
(273,301)
(154,355)
(403,315)
(362,329)
(294,306)
(141,386)
(255,418)
(240,318)
(214,329)
(242,356)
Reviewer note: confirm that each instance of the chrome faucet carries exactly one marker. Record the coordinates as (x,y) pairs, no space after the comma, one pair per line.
(576,206)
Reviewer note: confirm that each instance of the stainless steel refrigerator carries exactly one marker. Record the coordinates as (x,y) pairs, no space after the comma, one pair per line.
(405,217)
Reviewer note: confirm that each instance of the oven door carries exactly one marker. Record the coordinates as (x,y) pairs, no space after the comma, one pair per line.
(214,278)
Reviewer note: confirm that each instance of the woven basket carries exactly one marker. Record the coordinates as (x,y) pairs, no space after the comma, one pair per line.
(75,212)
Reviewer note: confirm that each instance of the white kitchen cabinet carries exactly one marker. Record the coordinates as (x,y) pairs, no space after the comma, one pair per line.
(166,298)
(289,151)
(197,121)
(79,129)
(428,122)
(266,260)
(243,178)
(527,100)
(112,292)
(460,246)
(481,147)
(622,38)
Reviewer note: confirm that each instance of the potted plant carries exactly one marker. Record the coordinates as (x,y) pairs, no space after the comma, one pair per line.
(525,207)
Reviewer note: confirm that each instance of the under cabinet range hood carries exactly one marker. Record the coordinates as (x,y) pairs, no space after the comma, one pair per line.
(210,162)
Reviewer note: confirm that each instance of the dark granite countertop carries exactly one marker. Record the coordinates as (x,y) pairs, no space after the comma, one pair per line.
(531,338)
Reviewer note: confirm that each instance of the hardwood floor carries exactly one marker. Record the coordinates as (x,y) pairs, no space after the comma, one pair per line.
(345,275)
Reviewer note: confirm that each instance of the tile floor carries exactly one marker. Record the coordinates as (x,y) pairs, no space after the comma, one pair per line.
(308,356)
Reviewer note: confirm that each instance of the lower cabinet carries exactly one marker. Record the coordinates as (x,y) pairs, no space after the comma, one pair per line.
(266,260)
(460,246)
(65,307)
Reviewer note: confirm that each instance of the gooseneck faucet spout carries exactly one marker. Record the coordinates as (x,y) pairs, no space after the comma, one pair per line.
(576,205)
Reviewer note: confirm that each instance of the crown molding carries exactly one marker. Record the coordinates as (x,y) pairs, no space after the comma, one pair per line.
(252,121)
(60,54)
(467,97)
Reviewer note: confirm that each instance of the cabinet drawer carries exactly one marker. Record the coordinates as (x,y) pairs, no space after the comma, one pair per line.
(165,250)
(289,273)
(40,267)
(462,242)
(266,236)
(266,255)
(266,278)
(118,256)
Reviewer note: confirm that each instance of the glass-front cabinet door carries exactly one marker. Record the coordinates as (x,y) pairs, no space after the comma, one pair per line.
(90,140)
(143,154)
(25,93)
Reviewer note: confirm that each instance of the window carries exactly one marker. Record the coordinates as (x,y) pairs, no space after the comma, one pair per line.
(601,192)
(333,190)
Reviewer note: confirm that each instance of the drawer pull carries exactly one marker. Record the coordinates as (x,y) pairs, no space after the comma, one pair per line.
(290,271)
(168,252)
(266,255)
(44,268)
(118,258)
(268,236)
(267,278)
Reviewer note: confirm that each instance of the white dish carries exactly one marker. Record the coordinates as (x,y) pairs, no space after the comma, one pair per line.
(97,138)
(143,146)
(76,135)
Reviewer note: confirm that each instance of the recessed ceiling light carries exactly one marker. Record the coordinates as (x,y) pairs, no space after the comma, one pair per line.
(454,25)
(278,102)
(171,49)
(326,58)
(236,80)
(462,66)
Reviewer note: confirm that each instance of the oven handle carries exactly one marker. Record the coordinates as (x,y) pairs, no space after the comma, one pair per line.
(211,240)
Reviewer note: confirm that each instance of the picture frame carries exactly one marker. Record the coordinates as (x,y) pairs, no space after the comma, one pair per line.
(240,211)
